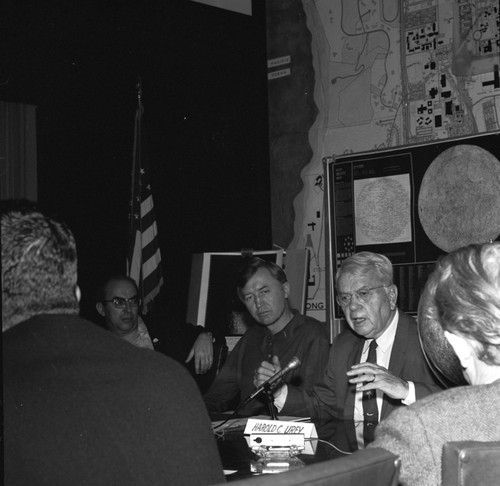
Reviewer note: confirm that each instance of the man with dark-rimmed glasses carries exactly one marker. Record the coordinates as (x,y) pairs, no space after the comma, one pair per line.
(359,385)
(118,302)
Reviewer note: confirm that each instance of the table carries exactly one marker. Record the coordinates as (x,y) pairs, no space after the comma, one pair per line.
(237,456)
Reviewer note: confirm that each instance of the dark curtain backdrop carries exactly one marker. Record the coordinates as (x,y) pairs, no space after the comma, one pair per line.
(203,72)
(18,167)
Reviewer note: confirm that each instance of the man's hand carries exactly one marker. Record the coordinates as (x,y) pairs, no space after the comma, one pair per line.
(203,353)
(265,371)
(375,377)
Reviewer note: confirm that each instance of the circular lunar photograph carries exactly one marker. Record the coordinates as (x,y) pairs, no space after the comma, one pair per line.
(459,200)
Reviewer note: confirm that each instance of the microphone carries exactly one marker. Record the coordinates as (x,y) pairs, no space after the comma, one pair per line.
(294,363)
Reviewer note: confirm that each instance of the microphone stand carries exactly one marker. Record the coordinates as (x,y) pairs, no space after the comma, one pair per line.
(270,401)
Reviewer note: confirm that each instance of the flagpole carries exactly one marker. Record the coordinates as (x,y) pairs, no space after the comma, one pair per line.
(139,90)
(137,144)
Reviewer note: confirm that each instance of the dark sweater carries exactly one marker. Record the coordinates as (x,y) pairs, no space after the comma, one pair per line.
(82,406)
(303,337)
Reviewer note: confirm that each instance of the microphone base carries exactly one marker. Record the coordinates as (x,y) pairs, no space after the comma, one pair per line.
(273,411)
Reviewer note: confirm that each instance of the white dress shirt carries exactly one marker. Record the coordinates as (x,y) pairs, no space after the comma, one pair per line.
(384,350)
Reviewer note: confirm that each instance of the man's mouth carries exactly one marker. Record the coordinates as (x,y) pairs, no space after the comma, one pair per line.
(358,320)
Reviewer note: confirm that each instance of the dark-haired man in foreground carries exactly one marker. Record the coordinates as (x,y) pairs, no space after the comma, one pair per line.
(81,406)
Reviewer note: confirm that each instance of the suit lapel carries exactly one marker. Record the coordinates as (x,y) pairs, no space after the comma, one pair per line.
(396,363)
(352,358)
(399,347)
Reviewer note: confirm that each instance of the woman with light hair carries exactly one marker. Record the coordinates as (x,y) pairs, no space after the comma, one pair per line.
(463,296)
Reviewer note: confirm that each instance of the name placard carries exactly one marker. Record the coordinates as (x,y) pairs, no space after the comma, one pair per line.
(279,427)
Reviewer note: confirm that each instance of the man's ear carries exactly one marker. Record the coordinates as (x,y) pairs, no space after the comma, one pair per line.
(393,296)
(100,308)
(78,293)
(286,289)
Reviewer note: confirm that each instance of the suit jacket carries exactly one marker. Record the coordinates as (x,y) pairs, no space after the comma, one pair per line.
(83,406)
(334,396)
(417,433)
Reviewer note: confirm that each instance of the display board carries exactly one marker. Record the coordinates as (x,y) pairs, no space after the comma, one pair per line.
(348,77)
(412,204)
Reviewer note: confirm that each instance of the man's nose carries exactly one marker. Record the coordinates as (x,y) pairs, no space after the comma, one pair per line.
(354,304)
(128,305)
(258,301)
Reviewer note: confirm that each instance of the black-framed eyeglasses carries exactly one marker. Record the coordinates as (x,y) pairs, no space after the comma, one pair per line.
(121,302)
(363,295)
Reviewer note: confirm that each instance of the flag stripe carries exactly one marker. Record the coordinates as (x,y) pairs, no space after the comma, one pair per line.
(150,283)
(135,263)
(150,265)
(149,235)
(147,205)
(149,250)
(154,292)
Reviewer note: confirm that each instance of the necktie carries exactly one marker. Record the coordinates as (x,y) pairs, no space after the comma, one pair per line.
(370,409)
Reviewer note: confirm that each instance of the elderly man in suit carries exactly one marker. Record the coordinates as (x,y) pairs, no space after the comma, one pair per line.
(464,293)
(374,367)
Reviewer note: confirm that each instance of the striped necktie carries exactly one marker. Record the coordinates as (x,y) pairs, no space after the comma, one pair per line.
(370,409)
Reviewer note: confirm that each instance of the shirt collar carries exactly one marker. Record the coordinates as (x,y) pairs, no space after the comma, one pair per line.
(289,328)
(140,336)
(385,341)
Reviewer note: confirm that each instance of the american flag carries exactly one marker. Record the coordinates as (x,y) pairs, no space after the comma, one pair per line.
(144,257)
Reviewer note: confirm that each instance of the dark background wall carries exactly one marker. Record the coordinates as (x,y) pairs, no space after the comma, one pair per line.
(292,112)
(203,72)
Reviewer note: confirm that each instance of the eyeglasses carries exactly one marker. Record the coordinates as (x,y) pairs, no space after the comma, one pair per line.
(363,295)
(121,303)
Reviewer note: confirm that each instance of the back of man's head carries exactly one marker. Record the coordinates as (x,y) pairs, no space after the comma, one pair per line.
(39,265)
